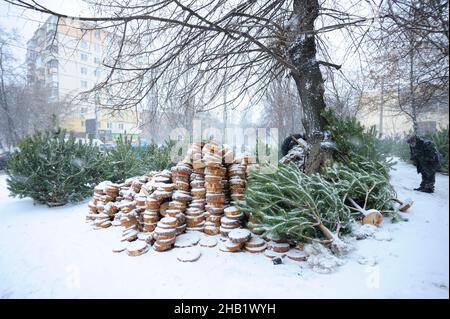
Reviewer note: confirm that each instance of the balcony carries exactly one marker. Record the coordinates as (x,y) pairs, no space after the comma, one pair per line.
(53,48)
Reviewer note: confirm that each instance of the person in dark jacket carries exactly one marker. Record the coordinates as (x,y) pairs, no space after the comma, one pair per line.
(289,143)
(426,158)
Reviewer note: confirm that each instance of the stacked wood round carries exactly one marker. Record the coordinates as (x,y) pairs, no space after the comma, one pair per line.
(175,210)
(256,244)
(112,190)
(237,177)
(191,196)
(162,186)
(128,214)
(181,196)
(105,195)
(102,221)
(145,236)
(276,247)
(215,197)
(129,234)
(195,155)
(160,190)
(181,174)
(151,215)
(137,248)
(231,220)
(228,160)
(165,234)
(141,206)
(136,185)
(195,213)
(236,240)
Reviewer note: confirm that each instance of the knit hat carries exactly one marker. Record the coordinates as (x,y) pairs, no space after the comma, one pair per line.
(410,138)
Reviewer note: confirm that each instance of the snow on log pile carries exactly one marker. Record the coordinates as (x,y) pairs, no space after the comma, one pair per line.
(195,213)
(215,196)
(195,195)
(201,194)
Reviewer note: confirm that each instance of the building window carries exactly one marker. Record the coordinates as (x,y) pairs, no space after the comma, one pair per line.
(96,47)
(120,126)
(82,123)
(83,57)
(52,20)
(97,34)
(97,60)
(53,48)
(109,125)
(83,44)
(97,72)
(83,70)
(83,109)
(52,63)
(83,84)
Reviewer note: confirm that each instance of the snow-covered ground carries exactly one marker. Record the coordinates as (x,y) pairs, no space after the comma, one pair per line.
(54,253)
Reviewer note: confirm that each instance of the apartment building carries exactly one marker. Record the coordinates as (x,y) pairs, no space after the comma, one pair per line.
(389,120)
(66,59)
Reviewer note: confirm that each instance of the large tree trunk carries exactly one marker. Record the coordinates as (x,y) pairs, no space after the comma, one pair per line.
(309,81)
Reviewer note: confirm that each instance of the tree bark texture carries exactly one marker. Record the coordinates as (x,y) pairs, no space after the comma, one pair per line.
(308,79)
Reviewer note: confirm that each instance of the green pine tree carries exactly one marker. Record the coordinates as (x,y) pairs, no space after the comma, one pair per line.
(292,205)
(364,182)
(123,162)
(53,168)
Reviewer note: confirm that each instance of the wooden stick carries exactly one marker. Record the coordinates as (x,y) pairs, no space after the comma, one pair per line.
(358,208)
(297,141)
(367,195)
(397,200)
(326,232)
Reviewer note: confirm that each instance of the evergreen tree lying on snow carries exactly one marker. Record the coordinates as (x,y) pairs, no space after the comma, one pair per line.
(363,186)
(292,205)
(364,182)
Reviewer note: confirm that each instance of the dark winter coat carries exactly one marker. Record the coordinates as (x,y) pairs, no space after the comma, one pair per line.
(425,155)
(289,143)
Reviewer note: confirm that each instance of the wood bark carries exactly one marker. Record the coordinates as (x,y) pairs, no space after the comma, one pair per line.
(308,79)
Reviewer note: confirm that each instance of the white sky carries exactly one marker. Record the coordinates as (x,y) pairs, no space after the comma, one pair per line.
(27,21)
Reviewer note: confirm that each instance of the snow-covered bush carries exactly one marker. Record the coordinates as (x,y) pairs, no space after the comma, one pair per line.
(54,169)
